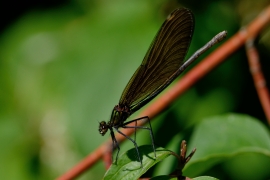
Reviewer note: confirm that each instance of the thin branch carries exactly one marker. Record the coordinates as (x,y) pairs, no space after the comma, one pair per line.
(258,77)
(190,78)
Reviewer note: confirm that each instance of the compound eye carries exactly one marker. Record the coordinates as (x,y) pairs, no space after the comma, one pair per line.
(103,128)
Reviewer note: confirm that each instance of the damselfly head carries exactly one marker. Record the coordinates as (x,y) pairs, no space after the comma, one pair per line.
(103,127)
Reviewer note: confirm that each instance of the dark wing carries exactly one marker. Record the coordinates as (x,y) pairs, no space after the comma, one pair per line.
(163,58)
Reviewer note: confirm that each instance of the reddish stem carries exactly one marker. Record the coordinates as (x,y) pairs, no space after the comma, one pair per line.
(258,77)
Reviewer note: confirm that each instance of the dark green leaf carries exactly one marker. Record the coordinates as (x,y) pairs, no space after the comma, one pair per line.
(128,166)
(222,138)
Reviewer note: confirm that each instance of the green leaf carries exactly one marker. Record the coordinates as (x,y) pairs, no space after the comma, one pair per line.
(224,138)
(128,166)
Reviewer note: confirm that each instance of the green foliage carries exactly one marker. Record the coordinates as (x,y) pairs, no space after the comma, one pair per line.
(237,142)
(127,166)
(233,141)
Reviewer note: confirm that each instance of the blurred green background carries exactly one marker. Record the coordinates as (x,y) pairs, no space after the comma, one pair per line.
(64,64)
